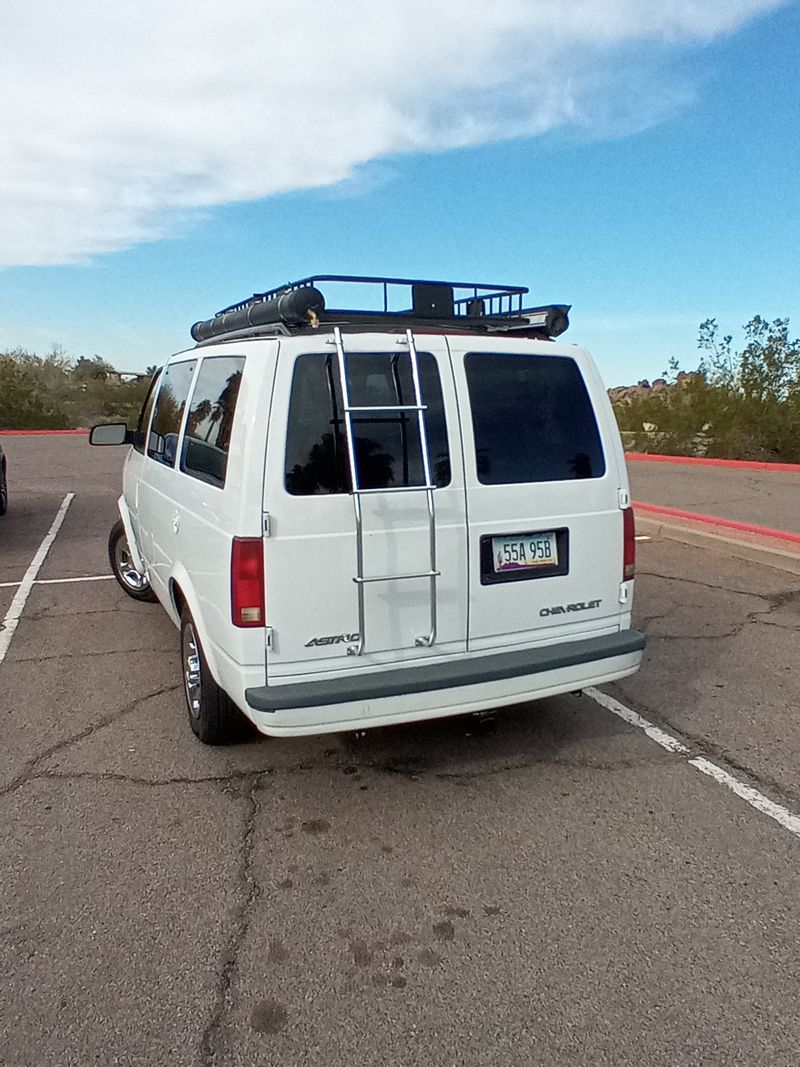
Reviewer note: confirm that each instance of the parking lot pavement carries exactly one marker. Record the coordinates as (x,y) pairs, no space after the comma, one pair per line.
(6,596)
(764,498)
(549,887)
(722,666)
(23,528)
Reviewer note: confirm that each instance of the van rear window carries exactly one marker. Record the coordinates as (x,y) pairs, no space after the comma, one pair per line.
(532,419)
(387,444)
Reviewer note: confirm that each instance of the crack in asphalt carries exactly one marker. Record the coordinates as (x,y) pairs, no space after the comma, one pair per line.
(781,625)
(132,779)
(411,769)
(758,617)
(698,637)
(83,655)
(644,623)
(776,601)
(45,614)
(29,771)
(240,923)
(710,585)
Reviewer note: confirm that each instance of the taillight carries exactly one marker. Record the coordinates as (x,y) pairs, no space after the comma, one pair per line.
(629,550)
(247,582)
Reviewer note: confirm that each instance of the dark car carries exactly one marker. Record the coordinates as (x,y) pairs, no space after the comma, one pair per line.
(3,483)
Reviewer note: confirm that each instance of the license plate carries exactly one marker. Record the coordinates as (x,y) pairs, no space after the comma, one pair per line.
(524,552)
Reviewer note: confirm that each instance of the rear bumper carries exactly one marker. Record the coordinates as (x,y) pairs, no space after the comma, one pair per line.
(463,684)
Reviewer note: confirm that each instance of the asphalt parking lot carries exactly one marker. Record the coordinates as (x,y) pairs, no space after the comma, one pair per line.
(557,886)
(769,499)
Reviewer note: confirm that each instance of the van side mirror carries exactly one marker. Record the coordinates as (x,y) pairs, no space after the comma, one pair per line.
(111,433)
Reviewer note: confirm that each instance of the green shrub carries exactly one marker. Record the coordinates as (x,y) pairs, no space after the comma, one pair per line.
(53,393)
(738,404)
(33,391)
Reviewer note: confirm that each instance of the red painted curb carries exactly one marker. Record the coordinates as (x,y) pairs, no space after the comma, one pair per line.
(40,433)
(701,461)
(713,520)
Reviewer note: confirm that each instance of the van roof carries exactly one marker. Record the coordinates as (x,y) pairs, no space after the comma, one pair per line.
(371,301)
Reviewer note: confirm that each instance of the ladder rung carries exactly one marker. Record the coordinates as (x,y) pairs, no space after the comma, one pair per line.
(396,577)
(396,489)
(388,407)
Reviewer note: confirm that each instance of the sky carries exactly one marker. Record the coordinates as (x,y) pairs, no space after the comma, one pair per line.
(636,159)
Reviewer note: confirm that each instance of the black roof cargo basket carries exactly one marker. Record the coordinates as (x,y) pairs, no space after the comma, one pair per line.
(391,301)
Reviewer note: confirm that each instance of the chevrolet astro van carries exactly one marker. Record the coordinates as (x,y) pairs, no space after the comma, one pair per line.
(410,506)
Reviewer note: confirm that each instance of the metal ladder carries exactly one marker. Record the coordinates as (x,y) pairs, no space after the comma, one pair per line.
(420,408)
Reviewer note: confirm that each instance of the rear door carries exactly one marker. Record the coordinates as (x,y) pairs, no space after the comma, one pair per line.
(311,550)
(543,493)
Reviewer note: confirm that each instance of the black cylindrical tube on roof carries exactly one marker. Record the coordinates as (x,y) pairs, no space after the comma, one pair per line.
(295,307)
(558,321)
(553,319)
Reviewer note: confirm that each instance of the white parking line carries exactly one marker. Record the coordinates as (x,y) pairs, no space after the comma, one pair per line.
(84,578)
(667,741)
(785,818)
(61,581)
(757,800)
(12,617)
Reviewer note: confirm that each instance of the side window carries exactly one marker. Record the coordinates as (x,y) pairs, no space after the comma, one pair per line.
(387,444)
(144,416)
(162,444)
(532,418)
(208,429)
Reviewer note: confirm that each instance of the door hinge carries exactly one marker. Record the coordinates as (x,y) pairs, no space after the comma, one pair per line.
(624,592)
(267,524)
(269,635)
(624,498)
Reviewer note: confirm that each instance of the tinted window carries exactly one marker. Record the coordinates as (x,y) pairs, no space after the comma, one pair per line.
(387,444)
(168,415)
(208,428)
(144,416)
(532,419)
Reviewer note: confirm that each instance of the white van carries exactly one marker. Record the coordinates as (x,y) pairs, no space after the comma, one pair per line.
(370,516)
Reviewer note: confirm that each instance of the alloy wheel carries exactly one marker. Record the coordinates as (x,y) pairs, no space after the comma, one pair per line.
(191,671)
(125,567)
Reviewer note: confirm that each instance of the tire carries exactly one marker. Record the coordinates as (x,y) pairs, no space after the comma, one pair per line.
(3,490)
(135,584)
(213,716)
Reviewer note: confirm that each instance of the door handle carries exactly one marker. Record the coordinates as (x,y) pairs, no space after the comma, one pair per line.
(176,521)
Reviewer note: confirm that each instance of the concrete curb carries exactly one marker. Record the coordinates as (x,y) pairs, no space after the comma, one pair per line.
(783,556)
(704,461)
(42,433)
(729,527)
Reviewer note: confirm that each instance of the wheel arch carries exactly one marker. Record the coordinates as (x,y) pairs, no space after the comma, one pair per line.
(182,595)
(125,515)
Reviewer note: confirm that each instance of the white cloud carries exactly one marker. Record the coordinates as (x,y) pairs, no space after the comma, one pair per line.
(117,119)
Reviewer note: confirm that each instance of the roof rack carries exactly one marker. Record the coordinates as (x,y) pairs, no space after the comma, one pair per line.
(460,305)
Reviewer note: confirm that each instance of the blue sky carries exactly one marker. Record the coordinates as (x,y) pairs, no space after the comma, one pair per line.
(658,195)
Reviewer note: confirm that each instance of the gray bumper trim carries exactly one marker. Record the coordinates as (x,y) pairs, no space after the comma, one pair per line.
(488,667)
